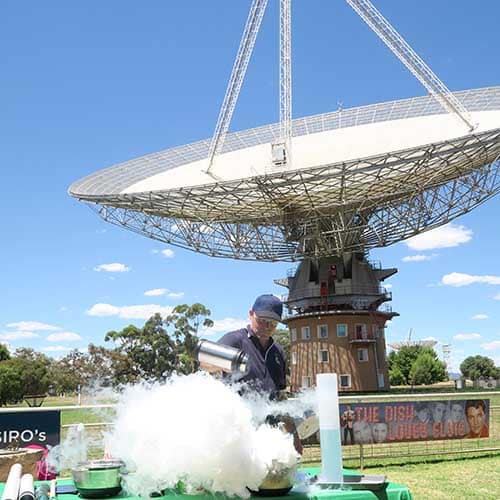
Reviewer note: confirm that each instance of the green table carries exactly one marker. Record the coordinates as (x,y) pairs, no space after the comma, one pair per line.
(391,492)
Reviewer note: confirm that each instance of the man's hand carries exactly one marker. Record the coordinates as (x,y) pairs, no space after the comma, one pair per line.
(211,369)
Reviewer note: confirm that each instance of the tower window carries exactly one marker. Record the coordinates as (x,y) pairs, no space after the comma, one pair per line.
(341,330)
(323,356)
(360,330)
(322,331)
(306,332)
(345,381)
(294,358)
(362,355)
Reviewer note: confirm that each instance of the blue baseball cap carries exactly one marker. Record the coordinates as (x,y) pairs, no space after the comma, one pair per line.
(268,307)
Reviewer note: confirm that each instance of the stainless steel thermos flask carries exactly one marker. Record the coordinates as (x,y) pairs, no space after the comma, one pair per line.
(228,359)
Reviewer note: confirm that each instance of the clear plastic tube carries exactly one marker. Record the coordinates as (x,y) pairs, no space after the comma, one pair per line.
(329,429)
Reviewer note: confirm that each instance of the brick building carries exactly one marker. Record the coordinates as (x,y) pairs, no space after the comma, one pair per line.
(336,317)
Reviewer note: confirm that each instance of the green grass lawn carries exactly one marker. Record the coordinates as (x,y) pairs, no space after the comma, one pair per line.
(465,478)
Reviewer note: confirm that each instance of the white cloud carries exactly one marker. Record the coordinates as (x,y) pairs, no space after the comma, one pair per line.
(480,316)
(115,267)
(176,295)
(167,253)
(434,339)
(56,348)
(462,279)
(155,292)
(18,335)
(144,311)
(30,326)
(491,346)
(449,235)
(63,337)
(467,336)
(224,325)
(417,258)
(497,296)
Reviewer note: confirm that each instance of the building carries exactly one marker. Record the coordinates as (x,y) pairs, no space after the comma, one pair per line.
(336,317)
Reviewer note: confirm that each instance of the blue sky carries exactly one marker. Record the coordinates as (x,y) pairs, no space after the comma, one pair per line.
(84,85)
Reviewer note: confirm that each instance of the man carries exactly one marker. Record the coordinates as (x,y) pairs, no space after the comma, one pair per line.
(456,412)
(267,368)
(379,432)
(347,421)
(475,413)
(362,432)
(438,411)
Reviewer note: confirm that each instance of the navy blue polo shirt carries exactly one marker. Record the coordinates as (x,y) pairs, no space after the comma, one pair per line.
(267,370)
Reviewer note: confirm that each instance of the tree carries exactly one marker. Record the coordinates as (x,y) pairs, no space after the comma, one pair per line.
(474,367)
(282,336)
(186,322)
(4,353)
(20,376)
(404,368)
(70,372)
(151,352)
(427,369)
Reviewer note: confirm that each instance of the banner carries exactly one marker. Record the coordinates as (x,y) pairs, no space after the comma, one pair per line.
(30,428)
(395,422)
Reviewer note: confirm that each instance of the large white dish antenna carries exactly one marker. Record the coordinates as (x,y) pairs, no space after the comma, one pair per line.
(361,178)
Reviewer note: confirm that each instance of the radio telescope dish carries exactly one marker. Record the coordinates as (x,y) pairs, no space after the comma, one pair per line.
(319,186)
(361,178)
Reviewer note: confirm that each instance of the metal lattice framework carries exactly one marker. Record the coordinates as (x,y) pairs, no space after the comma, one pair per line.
(329,209)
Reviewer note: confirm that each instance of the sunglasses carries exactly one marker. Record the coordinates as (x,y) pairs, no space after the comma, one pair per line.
(264,321)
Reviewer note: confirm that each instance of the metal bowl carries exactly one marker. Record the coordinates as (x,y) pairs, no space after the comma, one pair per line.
(277,483)
(98,478)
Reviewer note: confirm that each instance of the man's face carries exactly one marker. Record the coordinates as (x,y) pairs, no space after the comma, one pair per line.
(438,412)
(263,328)
(475,418)
(362,432)
(456,413)
(379,432)
(423,414)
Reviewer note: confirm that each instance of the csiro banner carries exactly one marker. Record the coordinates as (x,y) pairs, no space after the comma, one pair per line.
(24,428)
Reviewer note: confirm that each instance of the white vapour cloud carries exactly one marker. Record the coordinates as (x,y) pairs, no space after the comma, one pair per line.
(115,267)
(168,253)
(491,346)
(224,325)
(449,235)
(32,326)
(417,258)
(143,311)
(155,292)
(467,336)
(480,316)
(462,279)
(63,337)
(17,335)
(217,458)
